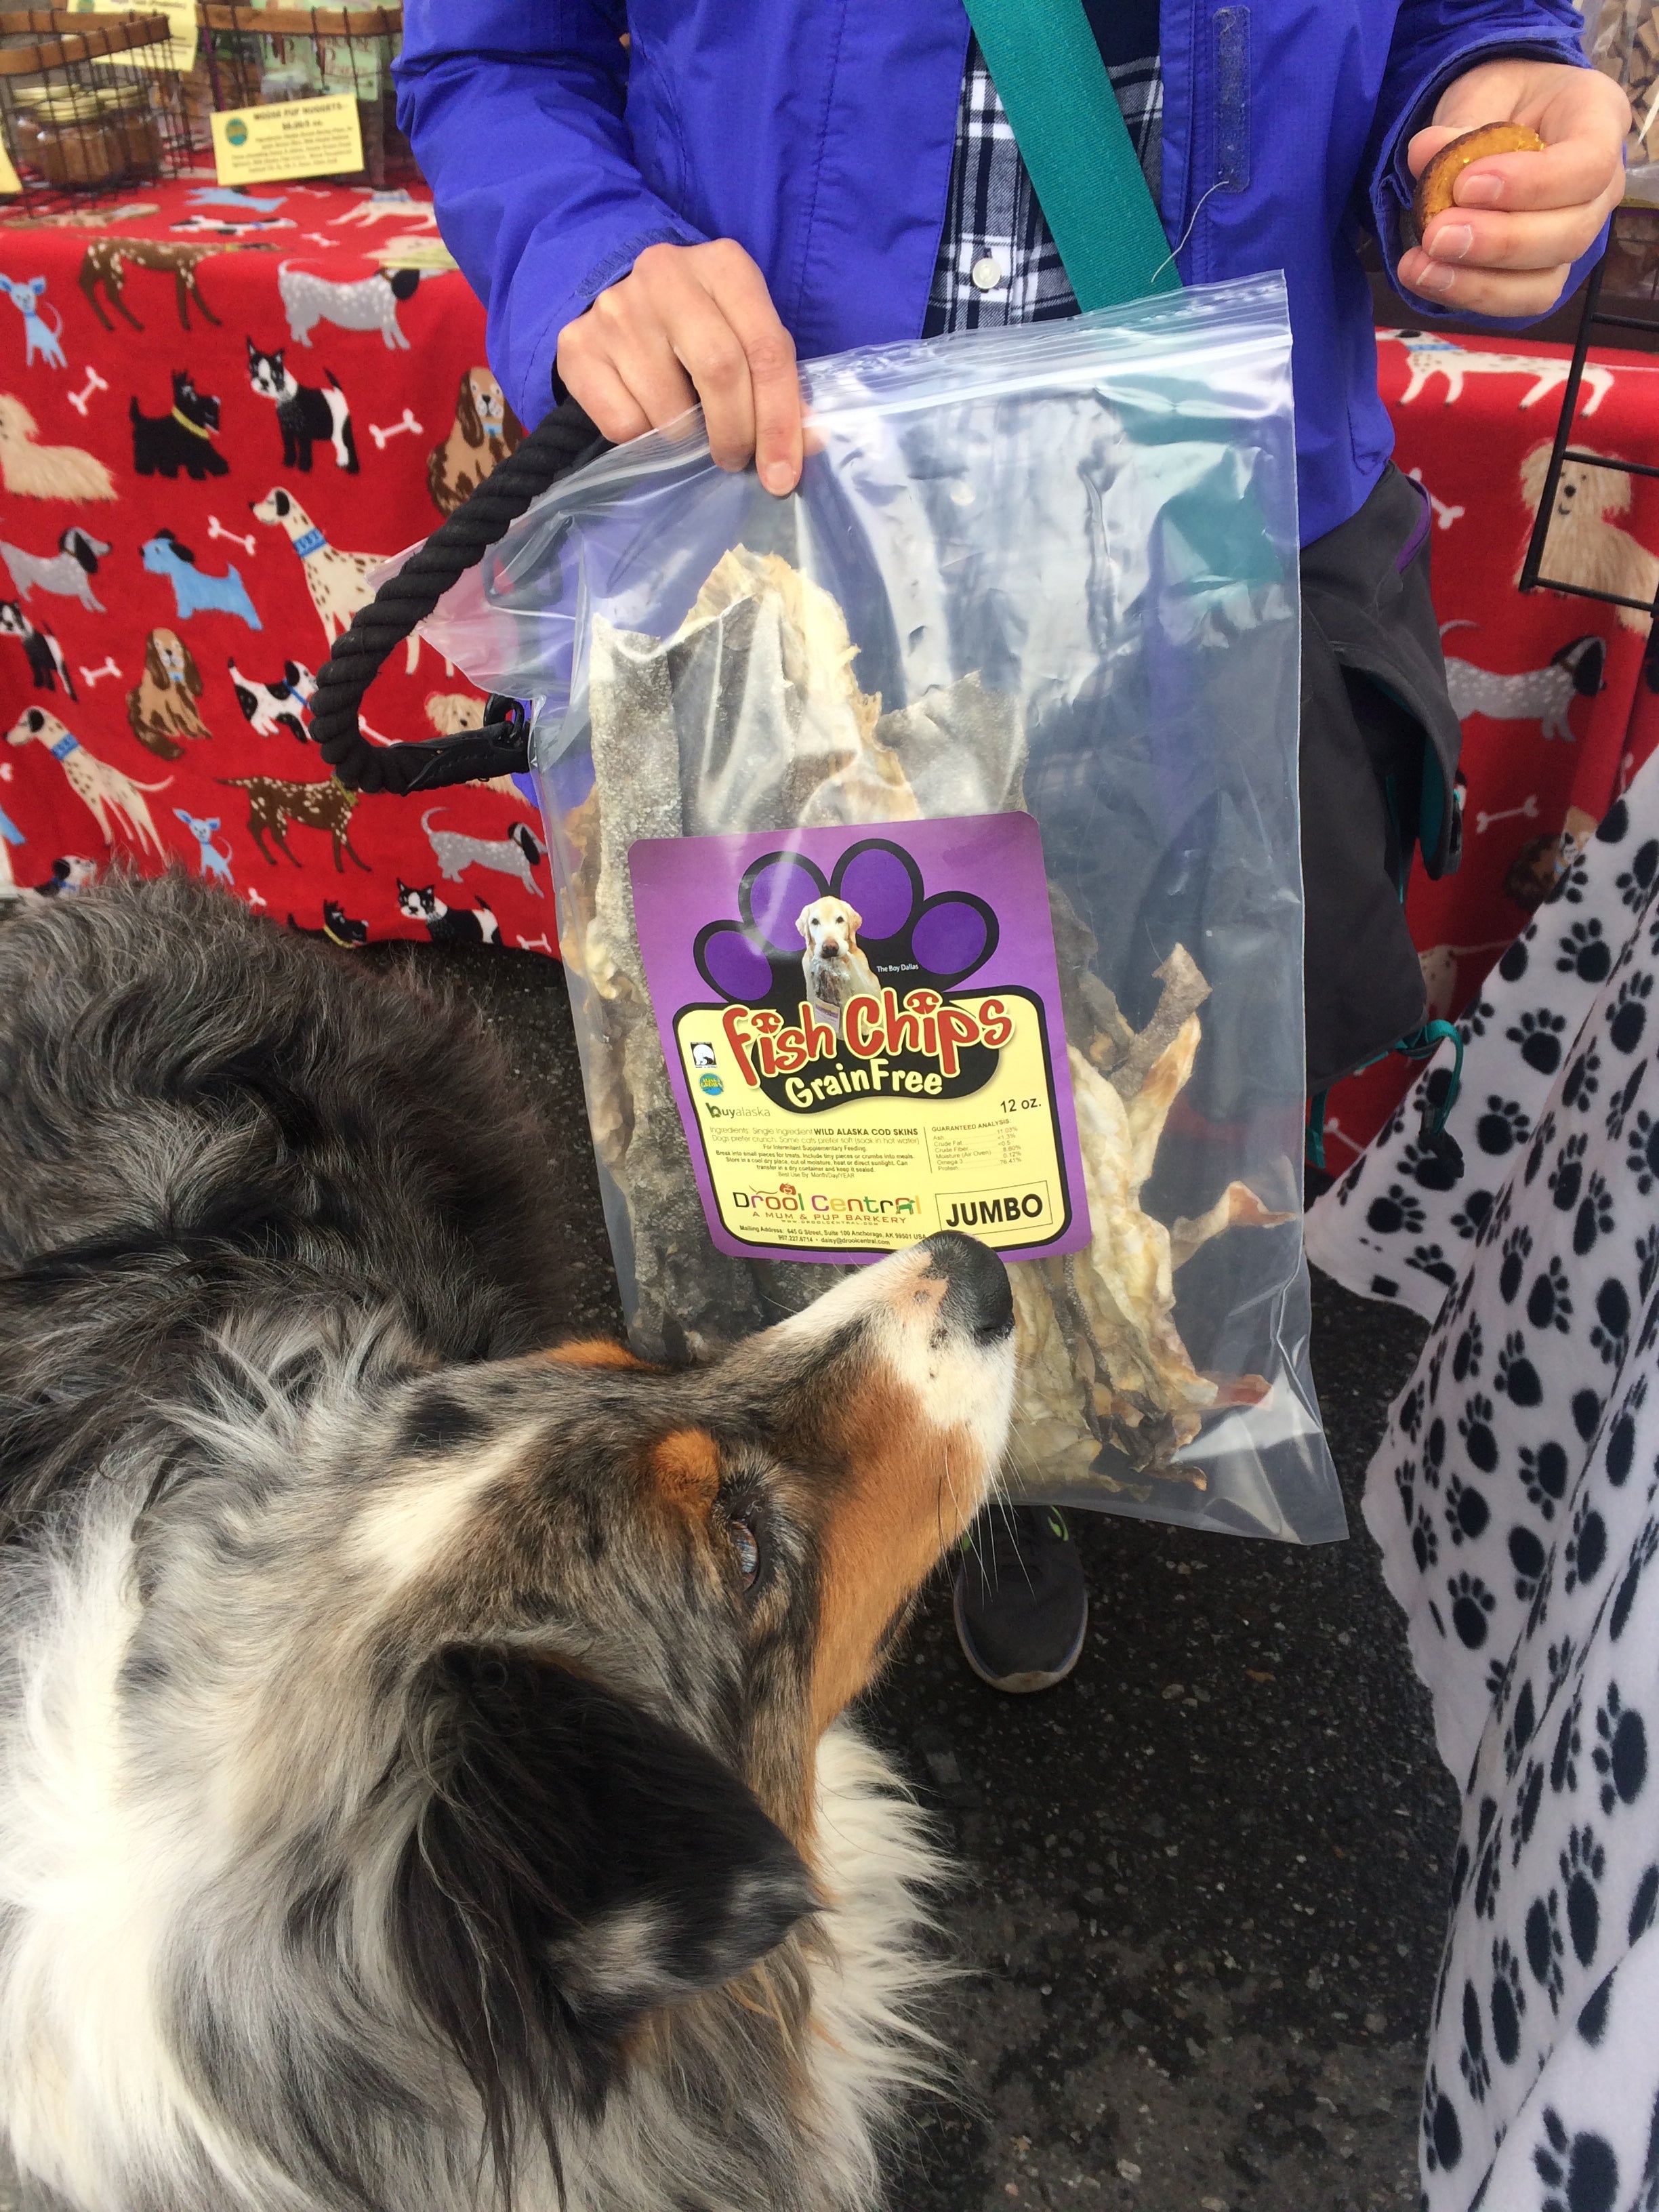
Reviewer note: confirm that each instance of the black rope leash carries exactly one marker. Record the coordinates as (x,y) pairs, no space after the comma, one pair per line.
(559,445)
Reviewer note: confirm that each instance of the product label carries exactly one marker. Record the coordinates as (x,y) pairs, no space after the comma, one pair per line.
(863,1030)
(293,138)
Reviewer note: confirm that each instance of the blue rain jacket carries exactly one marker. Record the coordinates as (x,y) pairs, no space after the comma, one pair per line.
(818,134)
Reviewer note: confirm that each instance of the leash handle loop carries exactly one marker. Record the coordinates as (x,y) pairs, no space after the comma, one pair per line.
(563,442)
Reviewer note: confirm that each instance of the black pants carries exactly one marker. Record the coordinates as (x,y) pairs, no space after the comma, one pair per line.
(1379,757)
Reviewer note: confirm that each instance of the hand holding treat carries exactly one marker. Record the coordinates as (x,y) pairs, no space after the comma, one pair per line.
(1520,167)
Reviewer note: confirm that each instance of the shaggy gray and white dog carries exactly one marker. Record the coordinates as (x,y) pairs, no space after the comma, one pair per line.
(422,1780)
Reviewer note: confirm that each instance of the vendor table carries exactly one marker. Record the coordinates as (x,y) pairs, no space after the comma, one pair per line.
(180,549)
(127,415)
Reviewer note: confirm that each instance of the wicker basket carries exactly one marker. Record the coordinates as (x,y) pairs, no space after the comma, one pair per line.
(253,56)
(89,105)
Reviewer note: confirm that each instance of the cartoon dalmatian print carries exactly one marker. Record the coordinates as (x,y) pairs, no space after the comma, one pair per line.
(1516,1499)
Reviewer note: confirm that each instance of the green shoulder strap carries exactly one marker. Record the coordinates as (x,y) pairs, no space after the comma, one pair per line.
(1076,146)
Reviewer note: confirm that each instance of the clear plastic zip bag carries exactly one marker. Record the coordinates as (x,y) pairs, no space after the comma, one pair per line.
(926,846)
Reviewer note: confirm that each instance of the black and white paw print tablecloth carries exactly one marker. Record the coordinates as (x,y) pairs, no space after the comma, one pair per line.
(1516,1502)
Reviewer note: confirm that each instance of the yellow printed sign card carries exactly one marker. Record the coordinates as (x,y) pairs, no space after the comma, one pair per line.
(10,179)
(295,138)
(179,51)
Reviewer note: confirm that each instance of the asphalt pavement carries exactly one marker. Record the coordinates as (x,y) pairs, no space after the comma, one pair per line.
(1203,1882)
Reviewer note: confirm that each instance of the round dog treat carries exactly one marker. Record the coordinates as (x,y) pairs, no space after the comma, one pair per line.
(1433,195)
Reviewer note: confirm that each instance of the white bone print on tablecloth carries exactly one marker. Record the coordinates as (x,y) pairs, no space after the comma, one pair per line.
(394,430)
(1527,811)
(93,677)
(79,400)
(217,529)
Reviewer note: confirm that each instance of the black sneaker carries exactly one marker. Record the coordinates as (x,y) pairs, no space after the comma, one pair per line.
(1022,1606)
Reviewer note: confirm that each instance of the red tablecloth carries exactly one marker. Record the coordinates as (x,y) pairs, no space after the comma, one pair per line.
(1543,759)
(125,730)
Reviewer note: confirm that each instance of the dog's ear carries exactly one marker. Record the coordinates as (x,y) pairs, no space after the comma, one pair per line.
(1588,678)
(466,412)
(512,428)
(191,679)
(800,921)
(404,283)
(855,919)
(155,674)
(575,1864)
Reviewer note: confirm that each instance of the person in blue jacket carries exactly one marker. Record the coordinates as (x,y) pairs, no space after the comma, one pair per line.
(668,201)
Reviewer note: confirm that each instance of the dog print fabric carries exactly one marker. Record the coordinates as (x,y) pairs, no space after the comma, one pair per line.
(230,431)
(1559,697)
(1516,1499)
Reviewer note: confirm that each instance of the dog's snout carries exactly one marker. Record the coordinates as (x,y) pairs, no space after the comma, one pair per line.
(829,948)
(980,1298)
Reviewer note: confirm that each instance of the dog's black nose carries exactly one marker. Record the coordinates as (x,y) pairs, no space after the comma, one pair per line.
(980,1298)
(829,948)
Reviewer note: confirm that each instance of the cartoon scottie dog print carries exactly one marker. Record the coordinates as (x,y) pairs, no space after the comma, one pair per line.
(164,444)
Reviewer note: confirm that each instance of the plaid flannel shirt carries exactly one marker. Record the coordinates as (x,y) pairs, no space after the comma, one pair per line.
(993,215)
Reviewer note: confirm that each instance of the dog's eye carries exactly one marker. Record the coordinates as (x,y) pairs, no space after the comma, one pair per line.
(746,1545)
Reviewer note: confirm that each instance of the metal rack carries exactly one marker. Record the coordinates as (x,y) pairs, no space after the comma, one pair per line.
(255,57)
(84,113)
(1592,318)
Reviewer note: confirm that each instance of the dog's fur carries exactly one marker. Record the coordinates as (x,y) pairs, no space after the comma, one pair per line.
(69,572)
(484,432)
(337,582)
(34,471)
(1536,694)
(834,968)
(1581,546)
(164,444)
(44,655)
(194,590)
(268,708)
(423,1753)
(368,304)
(105,790)
(162,704)
(516,854)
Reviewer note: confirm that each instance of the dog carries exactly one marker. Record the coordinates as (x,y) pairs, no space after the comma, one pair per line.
(1538,695)
(274,806)
(515,854)
(69,572)
(370,304)
(304,415)
(834,968)
(268,708)
(162,705)
(107,262)
(41,649)
(397,206)
(490,1829)
(486,430)
(39,336)
(339,927)
(1430,357)
(34,471)
(164,444)
(447,925)
(70,875)
(194,592)
(105,791)
(212,861)
(1581,546)
(338,582)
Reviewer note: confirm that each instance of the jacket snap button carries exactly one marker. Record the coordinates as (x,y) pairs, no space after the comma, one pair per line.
(987,273)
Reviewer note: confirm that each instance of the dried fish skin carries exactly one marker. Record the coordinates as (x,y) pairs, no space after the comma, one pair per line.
(631,713)
(960,748)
